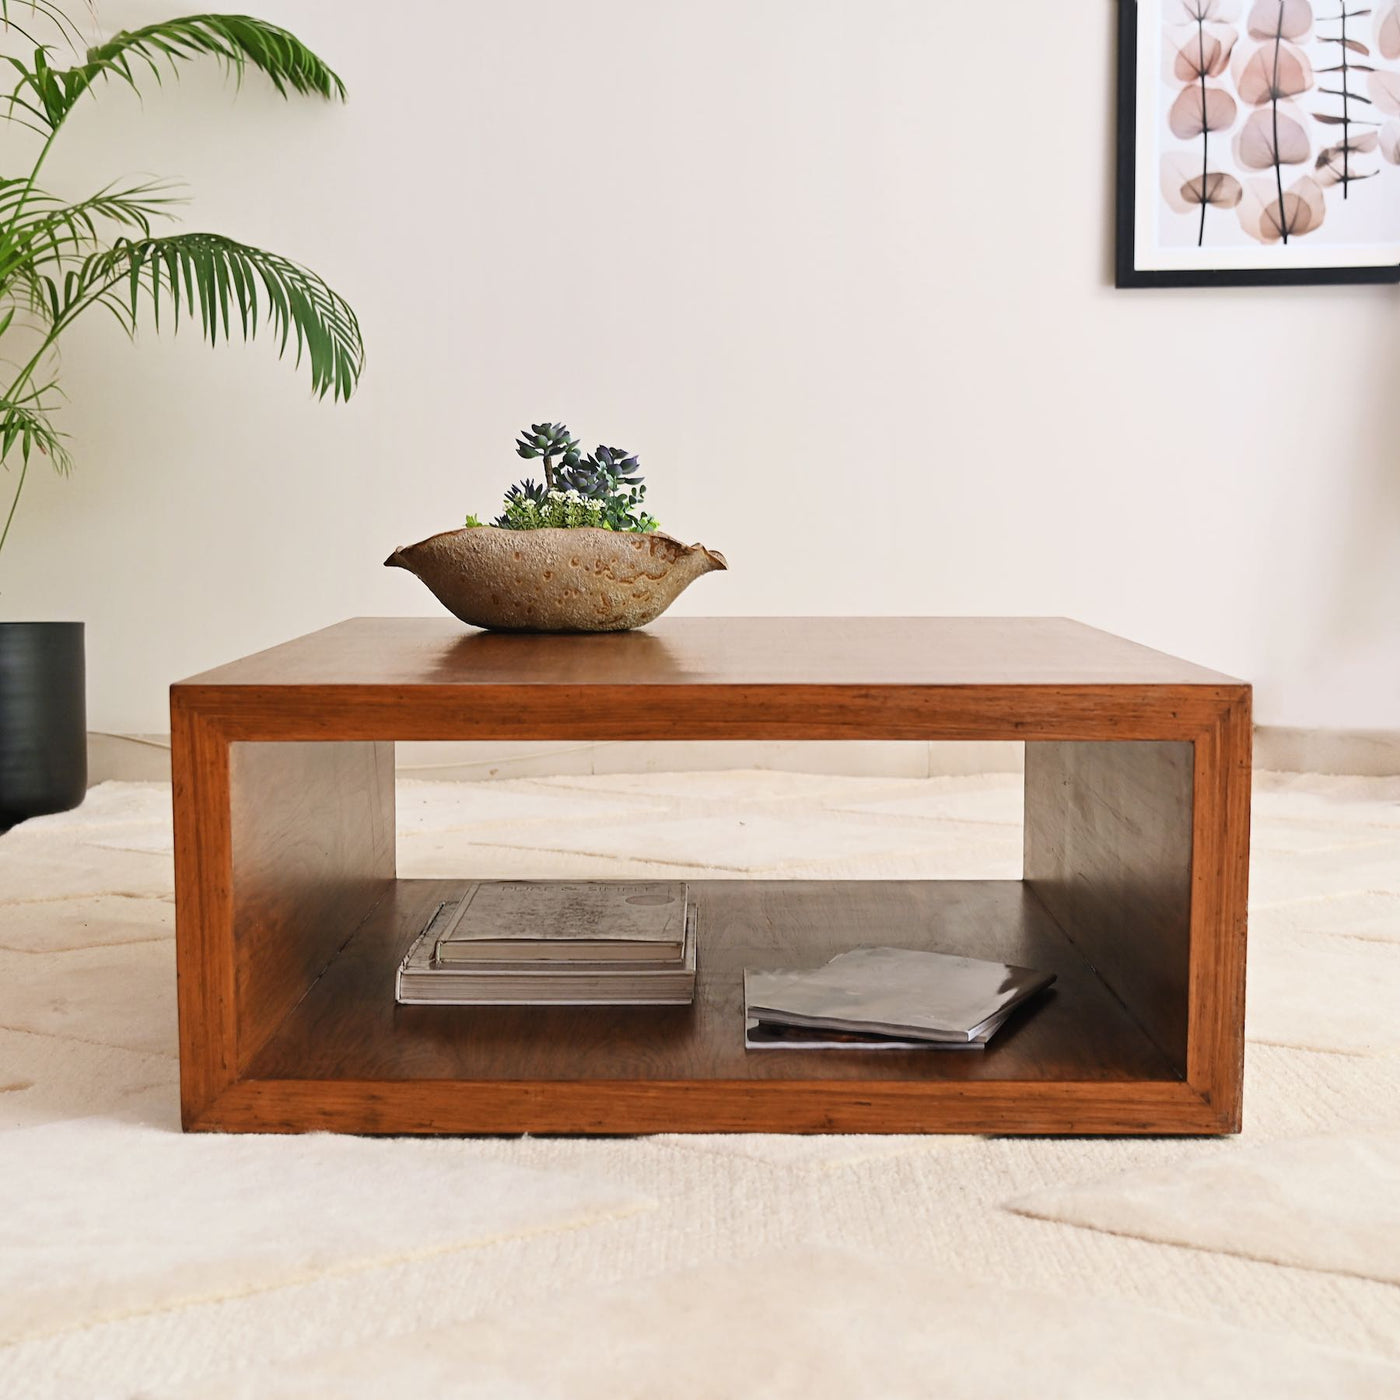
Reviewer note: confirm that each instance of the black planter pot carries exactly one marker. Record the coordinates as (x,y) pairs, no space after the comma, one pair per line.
(43,719)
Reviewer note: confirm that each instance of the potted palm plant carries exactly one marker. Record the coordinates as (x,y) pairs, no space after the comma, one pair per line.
(60,260)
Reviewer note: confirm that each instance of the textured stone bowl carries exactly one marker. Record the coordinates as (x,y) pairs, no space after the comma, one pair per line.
(555,580)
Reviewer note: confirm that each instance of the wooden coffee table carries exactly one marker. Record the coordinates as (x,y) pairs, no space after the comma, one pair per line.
(290,921)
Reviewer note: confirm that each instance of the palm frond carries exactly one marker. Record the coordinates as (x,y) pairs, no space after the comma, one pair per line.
(114,200)
(24,424)
(236,41)
(38,230)
(41,9)
(229,285)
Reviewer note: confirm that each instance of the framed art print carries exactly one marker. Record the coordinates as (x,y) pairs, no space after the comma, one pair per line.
(1258,142)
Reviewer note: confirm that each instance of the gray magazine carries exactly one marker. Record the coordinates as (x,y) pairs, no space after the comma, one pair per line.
(895,992)
(768,1035)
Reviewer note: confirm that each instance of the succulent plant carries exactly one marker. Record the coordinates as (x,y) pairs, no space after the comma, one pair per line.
(617,462)
(610,476)
(603,490)
(529,490)
(521,500)
(547,441)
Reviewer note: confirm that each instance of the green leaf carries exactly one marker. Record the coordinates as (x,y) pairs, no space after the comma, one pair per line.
(236,41)
(37,231)
(195,272)
(24,424)
(44,9)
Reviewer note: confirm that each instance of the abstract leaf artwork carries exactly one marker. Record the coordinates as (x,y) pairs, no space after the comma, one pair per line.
(1259,141)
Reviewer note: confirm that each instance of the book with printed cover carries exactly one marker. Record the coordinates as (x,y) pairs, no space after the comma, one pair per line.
(566,921)
(424,979)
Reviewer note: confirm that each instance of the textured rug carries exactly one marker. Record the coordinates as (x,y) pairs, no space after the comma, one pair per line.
(136,1262)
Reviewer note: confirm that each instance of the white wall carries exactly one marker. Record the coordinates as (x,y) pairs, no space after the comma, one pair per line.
(838,269)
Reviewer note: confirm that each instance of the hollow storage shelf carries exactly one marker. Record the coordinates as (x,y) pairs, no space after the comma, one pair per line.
(291,921)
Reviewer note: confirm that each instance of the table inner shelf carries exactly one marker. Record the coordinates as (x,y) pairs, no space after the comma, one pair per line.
(349,1027)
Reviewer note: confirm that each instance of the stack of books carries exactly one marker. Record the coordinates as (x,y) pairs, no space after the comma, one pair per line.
(556,942)
(886,999)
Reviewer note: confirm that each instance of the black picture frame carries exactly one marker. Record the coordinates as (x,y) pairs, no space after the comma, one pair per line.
(1126,272)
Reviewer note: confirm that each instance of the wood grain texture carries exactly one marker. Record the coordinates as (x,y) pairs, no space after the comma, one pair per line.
(1220,894)
(591,713)
(713,678)
(349,1026)
(204,953)
(282,860)
(1108,843)
(312,849)
(618,1107)
(717,651)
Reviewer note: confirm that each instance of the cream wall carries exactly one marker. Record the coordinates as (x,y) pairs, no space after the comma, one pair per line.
(838,269)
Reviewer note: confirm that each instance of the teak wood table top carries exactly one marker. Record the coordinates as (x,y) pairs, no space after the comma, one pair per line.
(717,651)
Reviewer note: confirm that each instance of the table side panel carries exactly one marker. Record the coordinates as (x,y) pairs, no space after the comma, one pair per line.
(1108,843)
(1219,934)
(312,850)
(204,961)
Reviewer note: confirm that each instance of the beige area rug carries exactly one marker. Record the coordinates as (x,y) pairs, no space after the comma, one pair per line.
(135,1262)
(898,1332)
(117,1220)
(1321,1203)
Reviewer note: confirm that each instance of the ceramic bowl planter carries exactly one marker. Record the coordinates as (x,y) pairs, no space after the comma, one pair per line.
(43,719)
(580,580)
